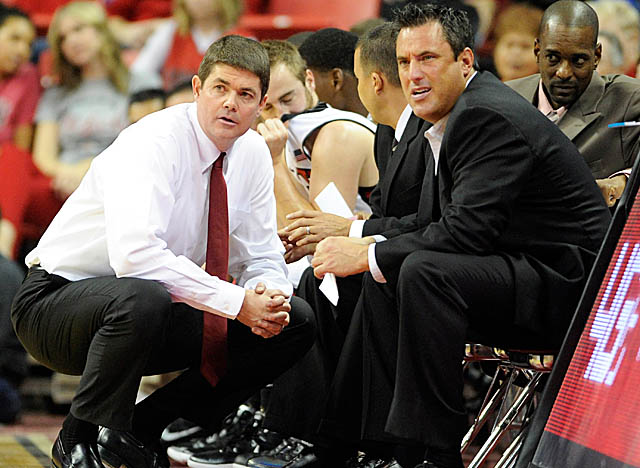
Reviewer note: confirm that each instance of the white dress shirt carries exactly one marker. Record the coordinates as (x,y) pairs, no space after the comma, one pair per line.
(142,209)
(434,136)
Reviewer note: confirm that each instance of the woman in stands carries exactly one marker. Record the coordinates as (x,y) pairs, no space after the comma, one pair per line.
(176,48)
(19,94)
(81,115)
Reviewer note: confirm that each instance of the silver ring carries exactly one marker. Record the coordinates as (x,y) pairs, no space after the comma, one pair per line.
(308,230)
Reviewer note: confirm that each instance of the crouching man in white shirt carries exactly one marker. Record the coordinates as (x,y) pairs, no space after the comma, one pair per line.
(115,288)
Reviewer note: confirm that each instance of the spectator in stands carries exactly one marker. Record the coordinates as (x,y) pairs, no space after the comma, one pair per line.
(182,92)
(571,93)
(19,84)
(621,18)
(19,94)
(83,114)
(144,102)
(13,358)
(612,60)
(324,144)
(516,29)
(329,55)
(176,48)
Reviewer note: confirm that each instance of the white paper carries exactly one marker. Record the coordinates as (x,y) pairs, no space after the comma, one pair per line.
(330,200)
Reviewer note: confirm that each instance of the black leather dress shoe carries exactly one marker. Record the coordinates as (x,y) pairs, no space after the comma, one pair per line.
(81,456)
(122,450)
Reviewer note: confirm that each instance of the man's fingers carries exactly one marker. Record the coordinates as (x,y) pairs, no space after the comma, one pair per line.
(302,214)
(261,332)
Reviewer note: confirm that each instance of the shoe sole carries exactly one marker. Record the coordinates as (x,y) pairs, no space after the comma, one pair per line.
(178,455)
(195,464)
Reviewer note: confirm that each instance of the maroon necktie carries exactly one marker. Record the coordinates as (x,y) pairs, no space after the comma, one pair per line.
(214,331)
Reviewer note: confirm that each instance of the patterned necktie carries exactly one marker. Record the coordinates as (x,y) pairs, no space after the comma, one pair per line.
(553,116)
(214,332)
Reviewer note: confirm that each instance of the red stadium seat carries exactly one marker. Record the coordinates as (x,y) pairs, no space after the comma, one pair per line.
(283,18)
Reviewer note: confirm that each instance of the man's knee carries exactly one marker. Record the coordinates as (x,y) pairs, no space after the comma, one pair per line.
(141,304)
(302,319)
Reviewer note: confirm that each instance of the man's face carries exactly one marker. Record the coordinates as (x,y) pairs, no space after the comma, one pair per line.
(432,79)
(365,85)
(567,58)
(228,102)
(286,94)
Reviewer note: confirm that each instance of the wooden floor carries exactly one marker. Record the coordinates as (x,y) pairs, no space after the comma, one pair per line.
(27,444)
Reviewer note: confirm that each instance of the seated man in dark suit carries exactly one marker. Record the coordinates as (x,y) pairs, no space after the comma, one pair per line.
(582,103)
(521,222)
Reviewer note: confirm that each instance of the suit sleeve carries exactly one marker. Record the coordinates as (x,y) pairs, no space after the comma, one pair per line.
(487,161)
(631,135)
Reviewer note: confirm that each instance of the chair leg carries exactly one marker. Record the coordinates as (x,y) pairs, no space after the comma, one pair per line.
(500,428)
(491,401)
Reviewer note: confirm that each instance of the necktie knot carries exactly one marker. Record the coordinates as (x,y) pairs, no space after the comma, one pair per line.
(553,116)
(218,162)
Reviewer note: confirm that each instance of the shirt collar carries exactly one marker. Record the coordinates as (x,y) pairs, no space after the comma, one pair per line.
(402,122)
(545,106)
(208,151)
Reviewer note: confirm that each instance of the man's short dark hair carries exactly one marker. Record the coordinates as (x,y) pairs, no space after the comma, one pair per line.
(572,14)
(7,12)
(147,95)
(378,51)
(329,48)
(237,52)
(454,22)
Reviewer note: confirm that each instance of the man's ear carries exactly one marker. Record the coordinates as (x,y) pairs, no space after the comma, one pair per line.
(536,49)
(377,80)
(466,59)
(598,54)
(196,85)
(309,80)
(263,102)
(337,78)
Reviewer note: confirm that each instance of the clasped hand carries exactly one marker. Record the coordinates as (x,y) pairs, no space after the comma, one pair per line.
(265,311)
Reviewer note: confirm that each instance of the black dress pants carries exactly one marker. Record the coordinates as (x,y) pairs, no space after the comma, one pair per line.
(298,397)
(112,331)
(399,378)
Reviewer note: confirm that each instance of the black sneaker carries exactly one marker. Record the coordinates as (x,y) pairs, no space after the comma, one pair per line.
(285,454)
(364,461)
(180,431)
(232,428)
(237,454)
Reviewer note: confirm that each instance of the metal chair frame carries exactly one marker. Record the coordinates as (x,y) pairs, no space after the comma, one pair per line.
(519,376)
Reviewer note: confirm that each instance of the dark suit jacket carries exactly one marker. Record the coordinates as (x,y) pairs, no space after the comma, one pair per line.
(607,99)
(395,199)
(511,184)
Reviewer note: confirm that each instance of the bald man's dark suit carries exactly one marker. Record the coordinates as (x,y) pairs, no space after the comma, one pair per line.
(298,395)
(522,220)
(607,99)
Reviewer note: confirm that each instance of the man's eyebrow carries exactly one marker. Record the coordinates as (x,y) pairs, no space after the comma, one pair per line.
(286,94)
(221,80)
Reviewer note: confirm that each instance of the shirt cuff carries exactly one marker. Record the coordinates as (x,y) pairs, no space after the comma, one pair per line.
(625,172)
(231,300)
(356,228)
(373,265)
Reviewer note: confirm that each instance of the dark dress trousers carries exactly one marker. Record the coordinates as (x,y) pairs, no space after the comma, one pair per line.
(522,220)
(299,394)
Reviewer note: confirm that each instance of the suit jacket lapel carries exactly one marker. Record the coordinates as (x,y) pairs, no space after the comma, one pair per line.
(583,111)
(409,134)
